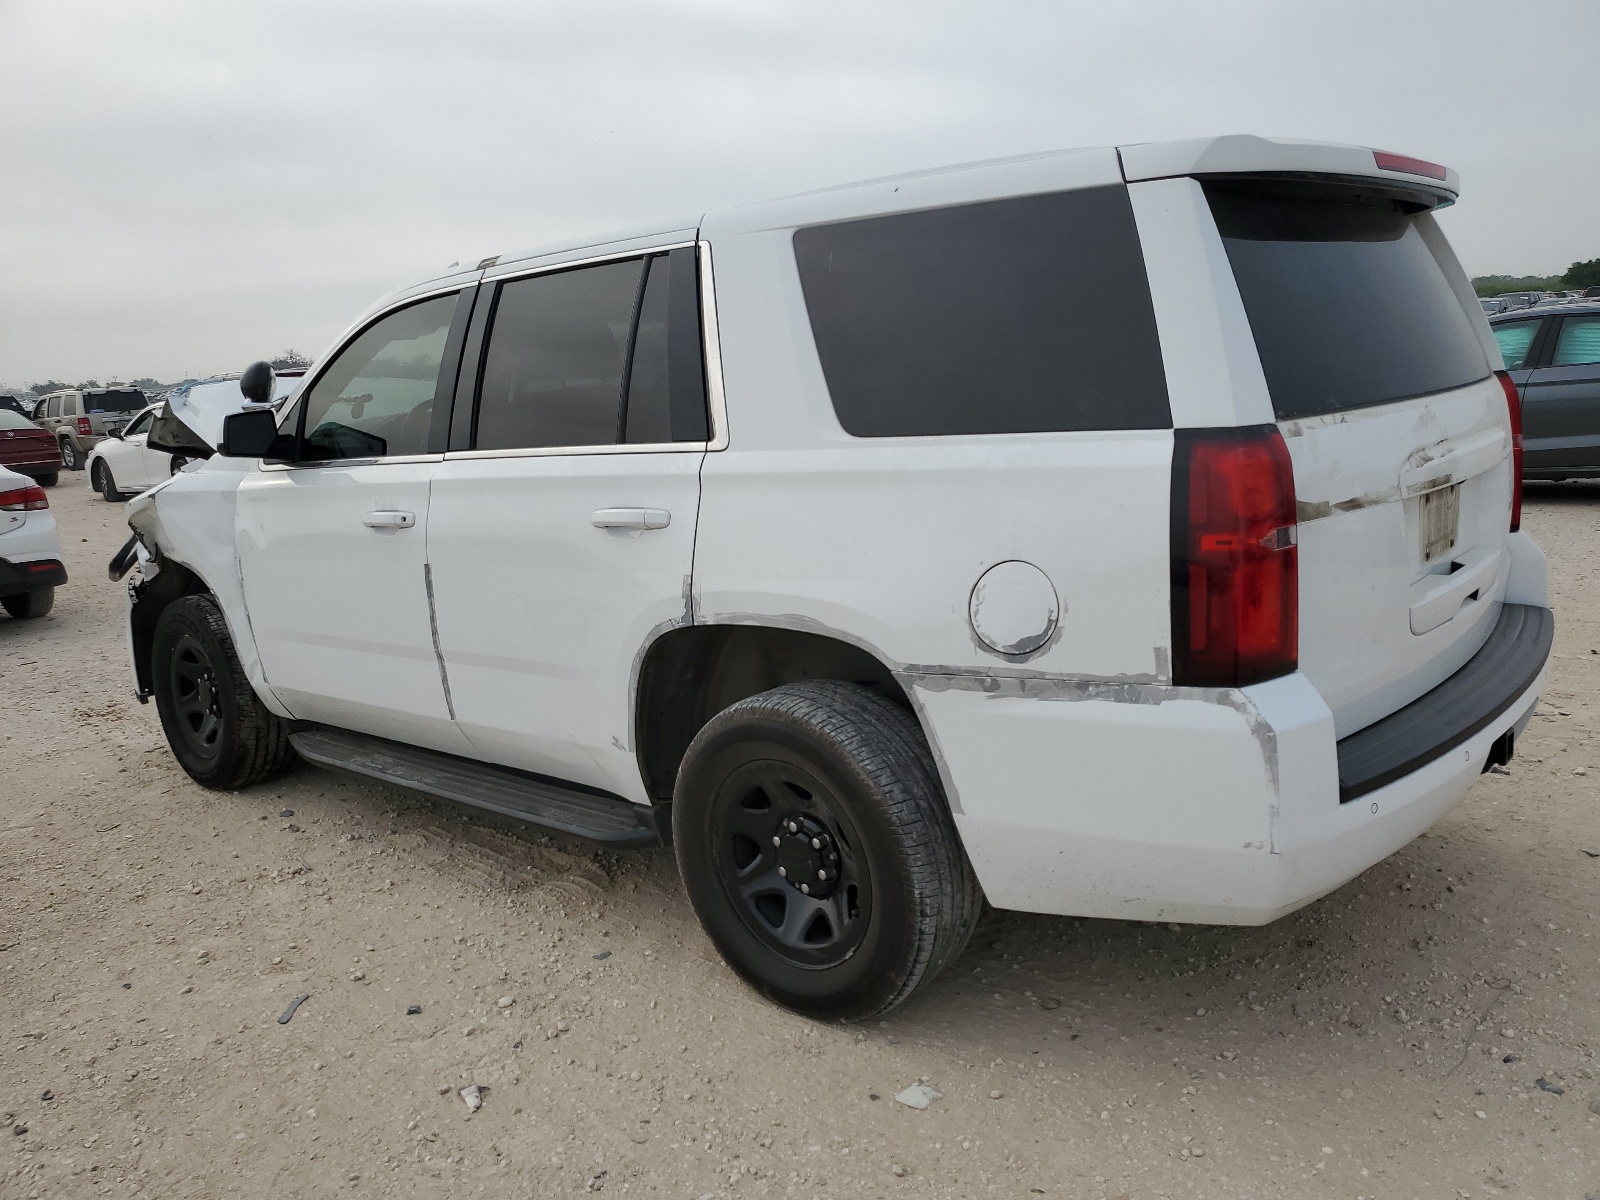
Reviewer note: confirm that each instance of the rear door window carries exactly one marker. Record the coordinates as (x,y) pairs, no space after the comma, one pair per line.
(1578,342)
(1025,315)
(1348,305)
(1515,338)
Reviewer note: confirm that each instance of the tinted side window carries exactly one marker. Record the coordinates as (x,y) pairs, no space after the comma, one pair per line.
(1348,306)
(558,345)
(376,398)
(141,424)
(69,407)
(1578,342)
(52,407)
(1515,337)
(665,400)
(1025,315)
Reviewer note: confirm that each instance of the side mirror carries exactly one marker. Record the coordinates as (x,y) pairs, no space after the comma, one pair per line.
(116,432)
(249,434)
(257,381)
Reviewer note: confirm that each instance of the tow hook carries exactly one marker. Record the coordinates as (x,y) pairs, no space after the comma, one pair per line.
(1501,750)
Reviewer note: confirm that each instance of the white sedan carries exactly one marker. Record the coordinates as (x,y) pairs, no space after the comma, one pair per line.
(30,549)
(121,465)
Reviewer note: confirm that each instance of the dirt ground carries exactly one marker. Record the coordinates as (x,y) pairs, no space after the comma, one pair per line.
(1429,1030)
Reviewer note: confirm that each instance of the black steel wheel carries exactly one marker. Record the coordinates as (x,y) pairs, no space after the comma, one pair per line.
(216,725)
(818,851)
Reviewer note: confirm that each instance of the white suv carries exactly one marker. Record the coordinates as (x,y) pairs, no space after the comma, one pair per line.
(1122,532)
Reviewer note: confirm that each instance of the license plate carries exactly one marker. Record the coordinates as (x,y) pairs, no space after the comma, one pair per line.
(1441,519)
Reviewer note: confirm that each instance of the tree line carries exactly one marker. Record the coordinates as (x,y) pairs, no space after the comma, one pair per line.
(1578,276)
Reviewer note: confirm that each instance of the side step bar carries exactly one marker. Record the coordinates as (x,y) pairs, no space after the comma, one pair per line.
(567,808)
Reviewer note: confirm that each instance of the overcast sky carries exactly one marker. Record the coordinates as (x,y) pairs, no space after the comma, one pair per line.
(188,186)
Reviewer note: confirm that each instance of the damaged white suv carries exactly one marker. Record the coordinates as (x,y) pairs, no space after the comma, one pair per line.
(1126,532)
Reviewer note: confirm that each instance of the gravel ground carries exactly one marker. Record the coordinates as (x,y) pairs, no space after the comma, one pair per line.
(1426,1031)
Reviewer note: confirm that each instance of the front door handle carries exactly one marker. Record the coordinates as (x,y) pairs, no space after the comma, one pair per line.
(389,519)
(631,518)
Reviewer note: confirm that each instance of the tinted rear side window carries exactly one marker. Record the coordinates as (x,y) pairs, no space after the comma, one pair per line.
(1348,305)
(1026,315)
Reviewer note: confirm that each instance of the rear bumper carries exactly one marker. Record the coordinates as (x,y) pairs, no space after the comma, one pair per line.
(31,576)
(42,465)
(1145,802)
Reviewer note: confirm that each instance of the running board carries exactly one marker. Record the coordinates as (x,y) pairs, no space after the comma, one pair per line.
(567,808)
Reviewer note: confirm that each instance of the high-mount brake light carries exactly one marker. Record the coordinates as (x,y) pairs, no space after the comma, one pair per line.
(1514,407)
(24,499)
(1235,566)
(1407,165)
(86,429)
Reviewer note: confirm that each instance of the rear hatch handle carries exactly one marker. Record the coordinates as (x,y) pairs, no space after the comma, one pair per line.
(1436,599)
(1445,463)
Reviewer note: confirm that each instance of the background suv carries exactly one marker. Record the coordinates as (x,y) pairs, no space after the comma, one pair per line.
(79,419)
(1553,356)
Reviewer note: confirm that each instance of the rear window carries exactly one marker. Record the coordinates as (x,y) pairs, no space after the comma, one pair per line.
(1025,315)
(14,420)
(114,402)
(1348,305)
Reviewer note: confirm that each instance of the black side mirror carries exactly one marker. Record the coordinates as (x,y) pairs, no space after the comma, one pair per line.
(116,432)
(256,382)
(249,434)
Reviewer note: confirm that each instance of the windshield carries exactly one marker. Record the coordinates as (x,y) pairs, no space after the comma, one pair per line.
(114,402)
(14,420)
(1348,303)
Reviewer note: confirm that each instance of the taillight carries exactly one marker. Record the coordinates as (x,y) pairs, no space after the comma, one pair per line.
(1235,567)
(84,427)
(1514,406)
(24,499)
(1407,164)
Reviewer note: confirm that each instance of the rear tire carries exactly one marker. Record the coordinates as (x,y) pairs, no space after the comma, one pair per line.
(29,604)
(817,848)
(49,480)
(70,458)
(219,730)
(178,463)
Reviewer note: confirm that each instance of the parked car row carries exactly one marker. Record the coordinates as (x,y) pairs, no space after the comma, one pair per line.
(1512,301)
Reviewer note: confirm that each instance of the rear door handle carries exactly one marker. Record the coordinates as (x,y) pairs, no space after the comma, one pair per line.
(631,518)
(389,519)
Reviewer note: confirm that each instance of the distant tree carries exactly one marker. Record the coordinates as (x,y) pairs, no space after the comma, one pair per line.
(290,360)
(87,383)
(49,385)
(1499,285)
(147,384)
(1583,274)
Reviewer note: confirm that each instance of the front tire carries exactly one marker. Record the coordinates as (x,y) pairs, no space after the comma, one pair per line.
(819,853)
(29,604)
(219,730)
(104,482)
(70,458)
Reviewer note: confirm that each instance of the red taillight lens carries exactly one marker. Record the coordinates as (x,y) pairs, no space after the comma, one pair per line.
(24,499)
(1407,164)
(1235,566)
(1514,405)
(84,427)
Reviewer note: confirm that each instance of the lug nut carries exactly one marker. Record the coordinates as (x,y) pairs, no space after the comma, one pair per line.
(776,840)
(816,843)
(806,888)
(822,874)
(784,871)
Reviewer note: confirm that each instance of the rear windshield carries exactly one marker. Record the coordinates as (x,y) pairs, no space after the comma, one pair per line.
(10,419)
(1348,305)
(114,402)
(1024,315)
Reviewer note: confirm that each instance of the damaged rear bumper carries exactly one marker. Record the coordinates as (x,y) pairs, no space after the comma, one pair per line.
(1148,802)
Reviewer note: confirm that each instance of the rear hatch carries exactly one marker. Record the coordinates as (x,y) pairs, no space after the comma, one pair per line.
(112,408)
(1399,434)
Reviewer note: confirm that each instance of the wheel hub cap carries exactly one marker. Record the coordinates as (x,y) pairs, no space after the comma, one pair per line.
(807,858)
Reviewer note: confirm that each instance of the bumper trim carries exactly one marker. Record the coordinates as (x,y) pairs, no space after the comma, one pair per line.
(1436,723)
(32,576)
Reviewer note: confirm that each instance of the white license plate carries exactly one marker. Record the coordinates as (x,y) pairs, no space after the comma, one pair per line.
(1441,520)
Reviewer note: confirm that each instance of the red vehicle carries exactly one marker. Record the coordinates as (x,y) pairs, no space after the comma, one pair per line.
(27,449)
